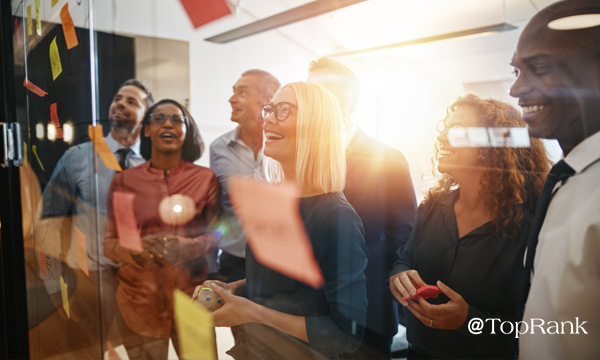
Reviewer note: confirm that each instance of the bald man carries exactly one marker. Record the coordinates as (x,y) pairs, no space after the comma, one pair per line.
(558,87)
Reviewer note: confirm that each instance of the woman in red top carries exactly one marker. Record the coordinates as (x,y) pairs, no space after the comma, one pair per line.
(175,238)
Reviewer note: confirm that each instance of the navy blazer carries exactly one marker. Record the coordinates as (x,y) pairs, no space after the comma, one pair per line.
(379,187)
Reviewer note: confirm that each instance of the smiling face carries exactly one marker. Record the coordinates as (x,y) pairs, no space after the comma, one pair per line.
(453,160)
(280,136)
(558,80)
(167,138)
(127,110)
(246,103)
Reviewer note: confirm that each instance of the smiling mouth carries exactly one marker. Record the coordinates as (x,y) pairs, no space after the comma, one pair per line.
(167,136)
(273,136)
(530,109)
(445,152)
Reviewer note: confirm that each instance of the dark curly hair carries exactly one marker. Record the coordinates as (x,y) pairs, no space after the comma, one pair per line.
(512,178)
(192,147)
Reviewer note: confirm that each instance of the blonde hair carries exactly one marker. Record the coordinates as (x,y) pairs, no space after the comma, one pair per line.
(320,151)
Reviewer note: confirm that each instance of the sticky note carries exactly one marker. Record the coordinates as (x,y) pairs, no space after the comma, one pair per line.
(270,216)
(202,12)
(34,148)
(43,263)
(68,27)
(53,2)
(55,121)
(126,222)
(17,31)
(65,296)
(194,327)
(97,137)
(29,21)
(33,88)
(55,59)
(38,18)
(112,354)
(81,251)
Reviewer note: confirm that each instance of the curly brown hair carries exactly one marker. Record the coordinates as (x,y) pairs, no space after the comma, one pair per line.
(512,178)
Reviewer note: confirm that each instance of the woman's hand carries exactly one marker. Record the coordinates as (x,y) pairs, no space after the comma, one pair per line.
(236,310)
(449,316)
(164,249)
(405,284)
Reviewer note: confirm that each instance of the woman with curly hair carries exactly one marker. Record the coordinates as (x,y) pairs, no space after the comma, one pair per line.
(469,239)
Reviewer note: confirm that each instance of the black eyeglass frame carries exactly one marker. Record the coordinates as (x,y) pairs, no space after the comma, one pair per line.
(275,109)
(170,117)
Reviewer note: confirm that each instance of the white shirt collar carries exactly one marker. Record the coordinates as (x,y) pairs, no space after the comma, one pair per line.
(114,145)
(585,153)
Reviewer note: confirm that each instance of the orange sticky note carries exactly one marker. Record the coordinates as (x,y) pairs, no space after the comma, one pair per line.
(97,137)
(38,18)
(194,327)
(17,31)
(33,88)
(68,27)
(29,21)
(65,296)
(204,11)
(43,263)
(127,227)
(270,216)
(55,121)
(55,60)
(81,251)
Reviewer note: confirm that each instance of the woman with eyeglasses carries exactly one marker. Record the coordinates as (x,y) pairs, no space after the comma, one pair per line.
(286,319)
(175,204)
(470,236)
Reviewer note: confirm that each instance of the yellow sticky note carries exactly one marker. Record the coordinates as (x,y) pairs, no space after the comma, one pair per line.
(29,21)
(34,148)
(97,137)
(81,251)
(194,327)
(38,18)
(65,296)
(53,2)
(55,59)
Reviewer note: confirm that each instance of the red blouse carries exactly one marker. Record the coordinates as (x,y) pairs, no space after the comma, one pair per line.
(145,294)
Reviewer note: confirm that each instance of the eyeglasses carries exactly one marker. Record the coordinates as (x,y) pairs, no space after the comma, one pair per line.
(281,110)
(160,119)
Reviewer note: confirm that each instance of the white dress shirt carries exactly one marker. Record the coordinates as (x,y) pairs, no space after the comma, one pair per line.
(566,280)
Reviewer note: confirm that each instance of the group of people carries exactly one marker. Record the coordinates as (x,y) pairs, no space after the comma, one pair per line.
(504,241)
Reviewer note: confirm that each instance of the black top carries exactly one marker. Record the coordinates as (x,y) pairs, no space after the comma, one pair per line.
(483,267)
(379,187)
(333,313)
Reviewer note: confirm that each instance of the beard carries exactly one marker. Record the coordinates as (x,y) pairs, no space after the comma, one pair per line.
(125,126)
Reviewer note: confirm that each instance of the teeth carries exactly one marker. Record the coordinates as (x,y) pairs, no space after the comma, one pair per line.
(167,135)
(445,152)
(532,108)
(271,135)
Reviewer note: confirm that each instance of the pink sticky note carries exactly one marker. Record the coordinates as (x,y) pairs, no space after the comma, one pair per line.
(127,227)
(55,121)
(81,251)
(43,263)
(270,216)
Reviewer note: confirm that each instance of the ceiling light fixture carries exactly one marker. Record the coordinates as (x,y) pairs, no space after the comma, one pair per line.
(484,30)
(582,21)
(291,16)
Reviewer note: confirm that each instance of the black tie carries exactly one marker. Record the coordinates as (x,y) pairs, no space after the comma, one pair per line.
(560,172)
(122,155)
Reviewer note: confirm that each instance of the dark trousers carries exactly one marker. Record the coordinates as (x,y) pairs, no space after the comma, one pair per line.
(232,267)
(374,346)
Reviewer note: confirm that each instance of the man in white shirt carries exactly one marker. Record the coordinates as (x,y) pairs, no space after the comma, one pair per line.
(558,87)
(239,152)
(74,205)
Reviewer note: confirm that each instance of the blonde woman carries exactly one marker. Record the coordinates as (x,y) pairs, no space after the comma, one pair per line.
(284,318)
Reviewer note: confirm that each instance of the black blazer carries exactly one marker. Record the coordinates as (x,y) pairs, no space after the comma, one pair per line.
(379,187)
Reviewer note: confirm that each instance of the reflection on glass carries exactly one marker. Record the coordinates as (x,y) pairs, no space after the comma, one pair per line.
(51,132)
(39,131)
(67,132)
